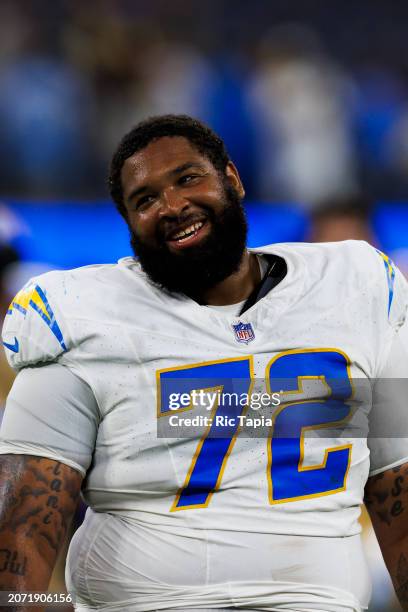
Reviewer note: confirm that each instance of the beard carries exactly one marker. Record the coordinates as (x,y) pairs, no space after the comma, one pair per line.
(201,267)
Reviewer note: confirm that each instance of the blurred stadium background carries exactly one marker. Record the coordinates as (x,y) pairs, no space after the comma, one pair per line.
(311,98)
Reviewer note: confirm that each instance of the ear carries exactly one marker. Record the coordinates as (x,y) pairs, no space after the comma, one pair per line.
(233,177)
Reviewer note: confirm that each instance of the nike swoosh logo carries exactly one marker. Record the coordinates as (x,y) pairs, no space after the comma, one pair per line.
(13,347)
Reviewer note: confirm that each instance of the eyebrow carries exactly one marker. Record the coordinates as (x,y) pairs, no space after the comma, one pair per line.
(174,172)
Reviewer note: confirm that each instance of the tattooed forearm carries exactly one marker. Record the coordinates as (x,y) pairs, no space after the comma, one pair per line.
(401,579)
(37,499)
(387,503)
(384,495)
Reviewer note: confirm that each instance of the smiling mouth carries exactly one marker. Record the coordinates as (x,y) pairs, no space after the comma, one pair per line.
(189,231)
(189,234)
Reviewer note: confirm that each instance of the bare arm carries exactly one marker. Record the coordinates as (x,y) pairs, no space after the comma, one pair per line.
(38,497)
(386,499)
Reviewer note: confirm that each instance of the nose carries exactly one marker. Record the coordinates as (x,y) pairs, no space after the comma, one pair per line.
(172,203)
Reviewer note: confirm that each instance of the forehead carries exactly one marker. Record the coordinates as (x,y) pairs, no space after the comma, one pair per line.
(161,156)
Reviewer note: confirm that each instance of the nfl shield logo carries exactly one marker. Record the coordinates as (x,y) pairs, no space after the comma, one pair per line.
(243,332)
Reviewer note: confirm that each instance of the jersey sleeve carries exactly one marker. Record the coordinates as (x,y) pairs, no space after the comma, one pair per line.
(394,289)
(388,425)
(34,329)
(383,296)
(51,412)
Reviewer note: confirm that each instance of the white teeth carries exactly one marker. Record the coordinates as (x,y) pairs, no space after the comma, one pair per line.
(189,230)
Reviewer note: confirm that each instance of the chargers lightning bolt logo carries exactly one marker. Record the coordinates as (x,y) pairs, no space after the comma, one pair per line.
(34,297)
(390,271)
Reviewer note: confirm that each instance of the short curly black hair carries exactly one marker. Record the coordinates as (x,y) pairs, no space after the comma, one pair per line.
(197,133)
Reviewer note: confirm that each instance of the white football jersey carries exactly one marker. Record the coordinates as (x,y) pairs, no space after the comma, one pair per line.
(143,353)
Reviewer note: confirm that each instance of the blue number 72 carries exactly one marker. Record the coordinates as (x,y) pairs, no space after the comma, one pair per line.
(288,479)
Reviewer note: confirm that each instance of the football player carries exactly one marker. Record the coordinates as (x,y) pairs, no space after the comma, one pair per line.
(109,356)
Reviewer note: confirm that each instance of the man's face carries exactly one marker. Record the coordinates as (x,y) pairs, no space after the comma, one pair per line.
(186,221)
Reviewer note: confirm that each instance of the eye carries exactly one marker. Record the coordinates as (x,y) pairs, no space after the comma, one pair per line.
(188,178)
(144,201)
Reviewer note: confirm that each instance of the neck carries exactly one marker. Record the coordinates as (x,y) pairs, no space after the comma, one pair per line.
(238,286)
